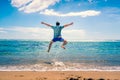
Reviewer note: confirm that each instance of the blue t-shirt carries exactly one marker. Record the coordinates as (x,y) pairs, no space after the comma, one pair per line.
(57,30)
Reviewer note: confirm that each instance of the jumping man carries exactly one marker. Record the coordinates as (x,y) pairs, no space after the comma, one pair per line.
(57,34)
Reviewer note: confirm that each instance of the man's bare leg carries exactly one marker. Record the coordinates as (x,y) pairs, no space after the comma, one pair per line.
(64,43)
(50,46)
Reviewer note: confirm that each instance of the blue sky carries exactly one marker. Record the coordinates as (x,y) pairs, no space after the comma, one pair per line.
(93,19)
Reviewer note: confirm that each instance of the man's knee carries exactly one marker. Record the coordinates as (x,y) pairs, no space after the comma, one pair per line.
(65,42)
(51,42)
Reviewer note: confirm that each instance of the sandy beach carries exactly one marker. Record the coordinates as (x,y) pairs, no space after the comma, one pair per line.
(60,75)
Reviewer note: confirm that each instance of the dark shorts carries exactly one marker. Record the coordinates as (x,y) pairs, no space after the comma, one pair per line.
(57,39)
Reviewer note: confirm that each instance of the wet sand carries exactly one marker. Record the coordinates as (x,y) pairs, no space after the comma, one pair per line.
(60,75)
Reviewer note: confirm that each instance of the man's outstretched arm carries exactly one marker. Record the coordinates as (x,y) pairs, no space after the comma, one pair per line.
(46,24)
(66,25)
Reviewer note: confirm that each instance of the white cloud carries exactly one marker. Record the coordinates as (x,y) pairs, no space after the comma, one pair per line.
(74,34)
(40,33)
(19,3)
(30,6)
(82,13)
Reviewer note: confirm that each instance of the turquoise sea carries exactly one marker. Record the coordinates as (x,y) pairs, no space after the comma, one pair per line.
(32,55)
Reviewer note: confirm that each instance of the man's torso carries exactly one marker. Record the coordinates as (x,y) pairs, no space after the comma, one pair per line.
(57,31)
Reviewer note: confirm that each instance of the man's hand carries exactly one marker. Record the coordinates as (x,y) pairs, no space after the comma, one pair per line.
(71,23)
(46,24)
(42,22)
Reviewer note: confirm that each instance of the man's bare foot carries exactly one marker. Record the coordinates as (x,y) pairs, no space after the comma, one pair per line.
(63,47)
(48,51)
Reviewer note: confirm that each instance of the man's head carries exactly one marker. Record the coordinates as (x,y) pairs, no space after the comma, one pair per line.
(57,23)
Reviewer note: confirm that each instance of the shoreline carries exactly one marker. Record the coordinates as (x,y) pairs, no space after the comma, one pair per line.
(59,70)
(59,75)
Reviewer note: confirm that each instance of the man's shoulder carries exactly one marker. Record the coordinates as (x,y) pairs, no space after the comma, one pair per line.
(57,26)
(62,26)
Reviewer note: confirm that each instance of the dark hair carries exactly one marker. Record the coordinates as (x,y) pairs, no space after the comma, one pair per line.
(57,23)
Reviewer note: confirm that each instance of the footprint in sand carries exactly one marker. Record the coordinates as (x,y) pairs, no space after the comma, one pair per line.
(39,78)
(19,75)
(74,78)
(101,79)
(88,79)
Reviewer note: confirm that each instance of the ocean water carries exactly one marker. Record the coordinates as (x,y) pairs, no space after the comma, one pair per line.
(32,55)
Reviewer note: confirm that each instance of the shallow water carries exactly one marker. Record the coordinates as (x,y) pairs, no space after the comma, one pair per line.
(32,55)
